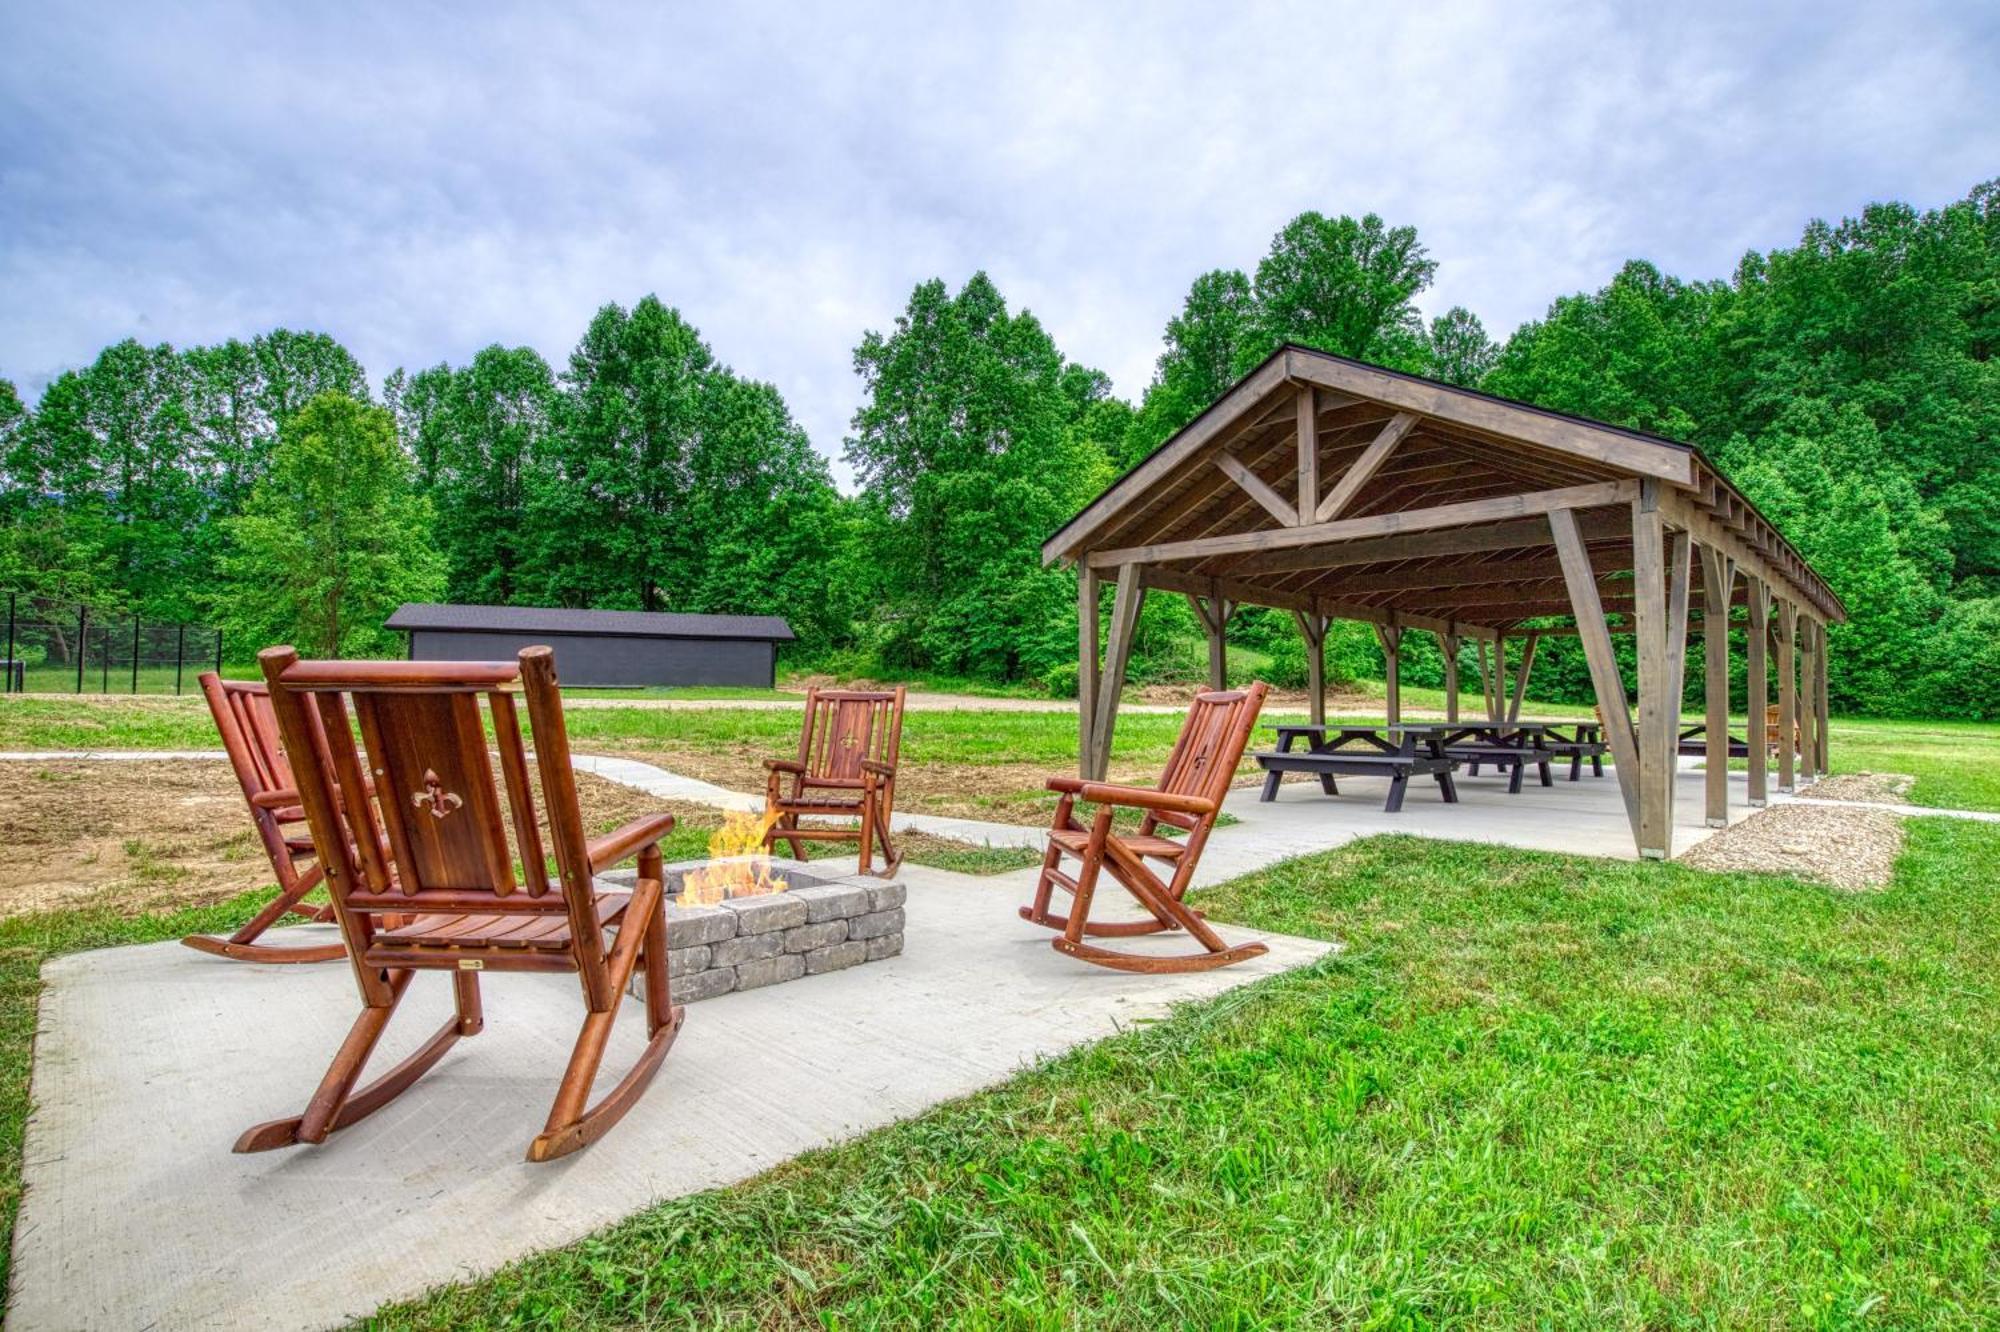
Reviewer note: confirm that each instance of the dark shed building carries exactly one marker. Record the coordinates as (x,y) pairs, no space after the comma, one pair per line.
(603,647)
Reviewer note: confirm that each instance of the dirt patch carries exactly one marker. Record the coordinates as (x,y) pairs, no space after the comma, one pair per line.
(155,835)
(1880,788)
(1848,848)
(135,836)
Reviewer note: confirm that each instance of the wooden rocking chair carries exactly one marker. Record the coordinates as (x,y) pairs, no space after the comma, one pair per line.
(1189,796)
(846,767)
(249,731)
(451,870)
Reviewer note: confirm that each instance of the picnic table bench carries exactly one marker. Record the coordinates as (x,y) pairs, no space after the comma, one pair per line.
(1575,741)
(1694,743)
(1537,742)
(1397,752)
(1510,746)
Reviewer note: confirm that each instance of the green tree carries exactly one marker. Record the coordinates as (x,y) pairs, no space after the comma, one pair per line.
(484,440)
(969,454)
(1457,350)
(240,394)
(1342,286)
(773,535)
(111,447)
(636,387)
(333,537)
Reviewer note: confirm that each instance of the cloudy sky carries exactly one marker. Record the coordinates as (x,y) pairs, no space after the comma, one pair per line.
(423,180)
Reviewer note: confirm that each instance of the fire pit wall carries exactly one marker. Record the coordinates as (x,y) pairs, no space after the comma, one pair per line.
(823,922)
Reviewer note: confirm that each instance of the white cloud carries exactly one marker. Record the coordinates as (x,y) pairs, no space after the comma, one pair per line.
(421,183)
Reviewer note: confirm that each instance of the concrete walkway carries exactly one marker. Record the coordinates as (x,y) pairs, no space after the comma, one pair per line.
(150,1060)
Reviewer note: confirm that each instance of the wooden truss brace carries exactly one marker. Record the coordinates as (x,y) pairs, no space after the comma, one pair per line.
(1214,610)
(1117,652)
(1364,468)
(1521,676)
(1253,486)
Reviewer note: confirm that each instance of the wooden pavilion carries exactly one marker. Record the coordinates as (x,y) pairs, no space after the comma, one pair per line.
(1339,490)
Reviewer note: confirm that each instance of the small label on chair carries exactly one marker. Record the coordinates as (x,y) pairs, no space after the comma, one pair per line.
(471,964)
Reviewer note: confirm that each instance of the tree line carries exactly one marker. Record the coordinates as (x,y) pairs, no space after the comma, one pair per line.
(1847,384)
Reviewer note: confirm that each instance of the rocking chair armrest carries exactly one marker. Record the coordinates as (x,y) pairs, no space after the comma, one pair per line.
(784,765)
(1144,797)
(640,833)
(878,767)
(277,798)
(1066,785)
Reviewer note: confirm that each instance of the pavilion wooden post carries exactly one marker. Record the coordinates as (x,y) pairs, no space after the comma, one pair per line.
(1822,704)
(1594,632)
(1390,636)
(1117,652)
(1788,693)
(1660,577)
(1758,689)
(1521,676)
(1808,704)
(1312,628)
(1718,581)
(1087,666)
(1448,643)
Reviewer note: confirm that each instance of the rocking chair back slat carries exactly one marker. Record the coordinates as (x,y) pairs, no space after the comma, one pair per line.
(1201,763)
(520,791)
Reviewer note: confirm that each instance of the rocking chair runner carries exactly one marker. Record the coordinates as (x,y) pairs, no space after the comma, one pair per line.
(249,733)
(846,767)
(1189,796)
(446,896)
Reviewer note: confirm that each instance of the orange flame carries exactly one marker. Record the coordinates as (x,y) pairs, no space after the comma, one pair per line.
(738,865)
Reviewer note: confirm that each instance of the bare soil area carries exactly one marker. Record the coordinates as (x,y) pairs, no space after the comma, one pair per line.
(1848,848)
(153,835)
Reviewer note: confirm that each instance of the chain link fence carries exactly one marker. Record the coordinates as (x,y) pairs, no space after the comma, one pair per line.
(67,647)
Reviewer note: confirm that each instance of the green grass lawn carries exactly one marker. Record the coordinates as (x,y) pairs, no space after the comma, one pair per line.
(1956,764)
(1534,1091)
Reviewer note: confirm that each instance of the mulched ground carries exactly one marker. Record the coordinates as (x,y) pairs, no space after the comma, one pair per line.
(1848,848)
(1880,788)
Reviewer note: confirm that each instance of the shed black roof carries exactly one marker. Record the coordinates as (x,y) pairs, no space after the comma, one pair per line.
(553,620)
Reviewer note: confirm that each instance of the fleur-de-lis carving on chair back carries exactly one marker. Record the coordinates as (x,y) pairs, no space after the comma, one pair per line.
(441,807)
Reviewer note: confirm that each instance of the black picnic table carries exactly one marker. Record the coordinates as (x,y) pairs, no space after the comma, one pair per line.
(1514,745)
(1400,752)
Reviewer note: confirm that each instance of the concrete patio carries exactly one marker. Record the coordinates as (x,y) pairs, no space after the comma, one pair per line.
(151,1059)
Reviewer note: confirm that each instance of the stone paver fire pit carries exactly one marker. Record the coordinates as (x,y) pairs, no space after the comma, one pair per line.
(822,922)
